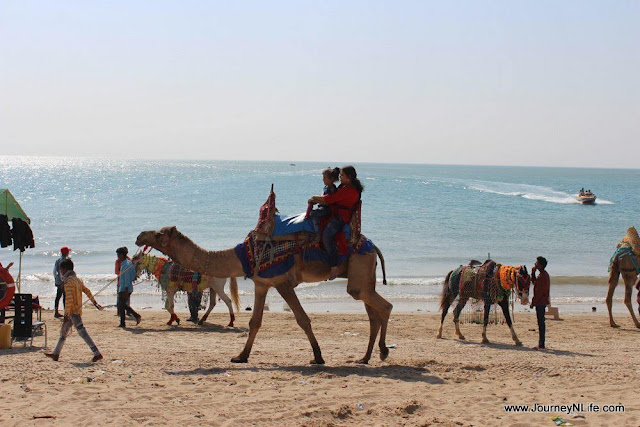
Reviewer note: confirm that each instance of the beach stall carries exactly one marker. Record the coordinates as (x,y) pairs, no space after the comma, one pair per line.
(20,235)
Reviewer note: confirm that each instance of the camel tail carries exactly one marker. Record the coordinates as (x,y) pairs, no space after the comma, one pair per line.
(384,273)
(233,287)
(444,297)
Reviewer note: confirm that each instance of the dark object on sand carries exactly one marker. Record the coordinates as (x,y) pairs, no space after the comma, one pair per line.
(248,309)
(593,309)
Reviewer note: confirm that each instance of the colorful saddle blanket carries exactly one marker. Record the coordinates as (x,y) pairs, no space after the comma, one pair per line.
(490,281)
(625,251)
(170,274)
(272,258)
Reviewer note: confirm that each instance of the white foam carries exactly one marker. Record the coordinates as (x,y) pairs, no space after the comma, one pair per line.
(527,191)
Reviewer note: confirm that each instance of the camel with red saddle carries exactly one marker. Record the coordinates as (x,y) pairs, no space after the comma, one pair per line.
(358,268)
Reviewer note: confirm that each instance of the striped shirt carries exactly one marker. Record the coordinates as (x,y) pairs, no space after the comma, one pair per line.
(73,289)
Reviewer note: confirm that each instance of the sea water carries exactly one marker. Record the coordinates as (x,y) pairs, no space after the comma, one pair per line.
(426,219)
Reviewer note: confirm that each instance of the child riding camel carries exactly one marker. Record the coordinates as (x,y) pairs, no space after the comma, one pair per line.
(341,205)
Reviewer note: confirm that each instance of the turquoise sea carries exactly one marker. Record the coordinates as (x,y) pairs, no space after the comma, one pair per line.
(426,219)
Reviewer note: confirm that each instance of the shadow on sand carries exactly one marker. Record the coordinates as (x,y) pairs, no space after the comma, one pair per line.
(512,347)
(206,328)
(395,372)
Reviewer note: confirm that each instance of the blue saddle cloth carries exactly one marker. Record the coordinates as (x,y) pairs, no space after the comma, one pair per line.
(292,224)
(297,223)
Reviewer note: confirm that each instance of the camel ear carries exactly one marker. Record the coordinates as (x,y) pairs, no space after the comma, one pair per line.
(166,234)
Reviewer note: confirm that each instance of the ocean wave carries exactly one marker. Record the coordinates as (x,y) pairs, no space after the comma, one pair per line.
(528,191)
(579,280)
(413,281)
(48,277)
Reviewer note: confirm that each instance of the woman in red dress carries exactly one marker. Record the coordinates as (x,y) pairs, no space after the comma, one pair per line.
(341,204)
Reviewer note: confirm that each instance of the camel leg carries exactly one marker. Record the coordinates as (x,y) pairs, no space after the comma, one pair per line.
(227,300)
(255,322)
(212,304)
(487,311)
(456,317)
(383,308)
(628,292)
(504,305)
(289,295)
(445,310)
(365,290)
(374,327)
(613,282)
(169,305)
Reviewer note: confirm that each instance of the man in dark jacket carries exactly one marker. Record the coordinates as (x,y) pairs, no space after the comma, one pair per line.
(540,301)
(57,277)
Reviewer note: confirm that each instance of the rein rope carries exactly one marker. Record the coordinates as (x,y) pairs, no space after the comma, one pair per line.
(143,251)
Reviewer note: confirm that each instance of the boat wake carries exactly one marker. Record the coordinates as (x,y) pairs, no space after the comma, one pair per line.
(527,191)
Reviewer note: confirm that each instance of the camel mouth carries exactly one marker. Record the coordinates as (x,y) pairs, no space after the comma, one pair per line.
(141,240)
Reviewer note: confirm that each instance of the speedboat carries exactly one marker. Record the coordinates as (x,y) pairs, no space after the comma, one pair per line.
(586,198)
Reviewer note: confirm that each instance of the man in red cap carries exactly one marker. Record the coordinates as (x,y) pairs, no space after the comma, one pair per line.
(64,254)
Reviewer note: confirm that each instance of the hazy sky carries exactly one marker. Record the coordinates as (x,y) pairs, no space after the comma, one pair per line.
(455,82)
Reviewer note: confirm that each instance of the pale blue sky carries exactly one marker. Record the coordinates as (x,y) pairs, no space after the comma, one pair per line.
(455,82)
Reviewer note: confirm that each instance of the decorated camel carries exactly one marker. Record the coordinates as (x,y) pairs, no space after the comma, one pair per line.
(489,282)
(172,278)
(283,262)
(625,262)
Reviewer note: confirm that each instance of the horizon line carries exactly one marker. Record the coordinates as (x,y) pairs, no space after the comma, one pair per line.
(293,161)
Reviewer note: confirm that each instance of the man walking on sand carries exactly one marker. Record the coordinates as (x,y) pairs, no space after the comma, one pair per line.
(540,301)
(74,287)
(57,277)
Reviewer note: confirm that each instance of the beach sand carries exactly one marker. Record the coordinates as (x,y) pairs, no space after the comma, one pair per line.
(155,374)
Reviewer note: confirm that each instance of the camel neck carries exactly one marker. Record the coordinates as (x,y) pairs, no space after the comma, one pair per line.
(223,263)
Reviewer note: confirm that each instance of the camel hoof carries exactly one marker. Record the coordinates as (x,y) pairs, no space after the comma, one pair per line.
(486,341)
(239,359)
(614,325)
(384,353)
(518,344)
(230,325)
(319,361)
(439,336)
(200,322)
(363,361)
(461,337)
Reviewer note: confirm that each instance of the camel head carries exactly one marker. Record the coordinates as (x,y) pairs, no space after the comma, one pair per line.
(158,239)
(523,282)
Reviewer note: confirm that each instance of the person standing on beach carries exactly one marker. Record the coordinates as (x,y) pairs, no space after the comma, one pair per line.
(73,288)
(117,270)
(57,277)
(194,300)
(540,301)
(125,286)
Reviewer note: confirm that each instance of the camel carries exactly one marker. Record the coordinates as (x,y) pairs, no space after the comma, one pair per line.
(214,284)
(490,282)
(358,269)
(625,262)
